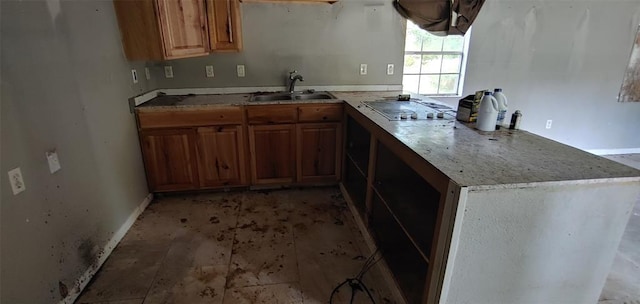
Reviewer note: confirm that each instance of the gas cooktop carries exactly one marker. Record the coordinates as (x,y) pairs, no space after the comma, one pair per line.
(410,110)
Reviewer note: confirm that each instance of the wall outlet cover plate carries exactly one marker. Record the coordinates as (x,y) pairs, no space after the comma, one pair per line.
(241,71)
(54,163)
(168,71)
(209,71)
(16,181)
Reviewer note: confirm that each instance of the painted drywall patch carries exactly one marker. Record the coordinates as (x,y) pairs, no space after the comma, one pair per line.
(630,90)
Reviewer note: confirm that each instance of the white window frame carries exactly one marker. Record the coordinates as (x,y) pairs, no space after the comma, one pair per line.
(463,64)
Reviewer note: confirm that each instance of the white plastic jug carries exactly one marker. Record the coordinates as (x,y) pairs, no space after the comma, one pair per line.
(502,106)
(488,113)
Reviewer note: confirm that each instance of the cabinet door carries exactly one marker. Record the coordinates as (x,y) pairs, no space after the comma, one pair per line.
(169,157)
(225,25)
(221,156)
(272,154)
(183,24)
(319,152)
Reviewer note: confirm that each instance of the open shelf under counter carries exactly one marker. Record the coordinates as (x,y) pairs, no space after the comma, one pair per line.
(355,182)
(408,265)
(417,225)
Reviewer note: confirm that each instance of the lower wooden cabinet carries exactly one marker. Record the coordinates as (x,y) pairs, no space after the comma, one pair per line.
(221,160)
(272,153)
(170,159)
(318,152)
(232,146)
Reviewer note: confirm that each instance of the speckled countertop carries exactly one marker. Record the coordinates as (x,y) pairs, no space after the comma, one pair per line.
(508,158)
(467,156)
(192,102)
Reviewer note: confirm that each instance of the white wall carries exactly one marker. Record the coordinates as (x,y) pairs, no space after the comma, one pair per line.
(559,60)
(65,84)
(545,244)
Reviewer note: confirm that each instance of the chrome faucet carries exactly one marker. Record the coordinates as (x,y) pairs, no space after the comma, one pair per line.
(292,80)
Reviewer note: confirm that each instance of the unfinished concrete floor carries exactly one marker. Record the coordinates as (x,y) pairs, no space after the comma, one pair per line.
(287,246)
(623,283)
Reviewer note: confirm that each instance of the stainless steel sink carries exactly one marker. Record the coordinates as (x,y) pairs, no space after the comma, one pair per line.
(318,95)
(271,97)
(280,96)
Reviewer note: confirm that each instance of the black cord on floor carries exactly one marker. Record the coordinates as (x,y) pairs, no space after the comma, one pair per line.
(356,283)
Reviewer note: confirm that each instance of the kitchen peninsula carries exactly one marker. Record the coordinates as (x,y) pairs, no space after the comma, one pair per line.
(460,215)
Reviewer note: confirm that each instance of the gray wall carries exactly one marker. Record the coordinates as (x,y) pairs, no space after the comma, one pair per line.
(65,84)
(325,43)
(560,60)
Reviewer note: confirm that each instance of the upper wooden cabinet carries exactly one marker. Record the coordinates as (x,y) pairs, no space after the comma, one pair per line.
(183,27)
(293,1)
(225,26)
(171,29)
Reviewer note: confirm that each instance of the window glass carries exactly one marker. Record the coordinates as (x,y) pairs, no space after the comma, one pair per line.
(410,83)
(433,65)
(448,84)
(412,64)
(429,84)
(451,63)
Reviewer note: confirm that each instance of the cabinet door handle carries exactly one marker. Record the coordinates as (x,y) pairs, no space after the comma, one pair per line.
(229,27)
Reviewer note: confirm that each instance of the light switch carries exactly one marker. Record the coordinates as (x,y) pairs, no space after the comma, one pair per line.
(390,69)
(54,163)
(363,69)
(134,76)
(147,73)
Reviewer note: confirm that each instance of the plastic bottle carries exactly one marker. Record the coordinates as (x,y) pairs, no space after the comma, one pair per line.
(516,117)
(488,113)
(502,107)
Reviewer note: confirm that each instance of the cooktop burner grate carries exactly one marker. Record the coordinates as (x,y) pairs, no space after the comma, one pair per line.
(409,110)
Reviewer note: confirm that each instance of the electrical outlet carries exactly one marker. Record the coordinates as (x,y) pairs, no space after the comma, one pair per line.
(549,123)
(168,71)
(390,69)
(363,69)
(147,73)
(240,70)
(17,183)
(209,71)
(54,163)
(134,75)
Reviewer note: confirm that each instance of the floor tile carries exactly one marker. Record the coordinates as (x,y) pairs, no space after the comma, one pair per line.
(277,293)
(201,284)
(263,249)
(127,274)
(326,249)
(288,246)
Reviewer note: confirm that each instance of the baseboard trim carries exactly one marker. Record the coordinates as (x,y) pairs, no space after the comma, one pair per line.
(108,248)
(613,151)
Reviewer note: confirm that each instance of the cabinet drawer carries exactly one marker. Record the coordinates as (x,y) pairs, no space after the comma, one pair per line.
(190,118)
(272,114)
(323,112)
